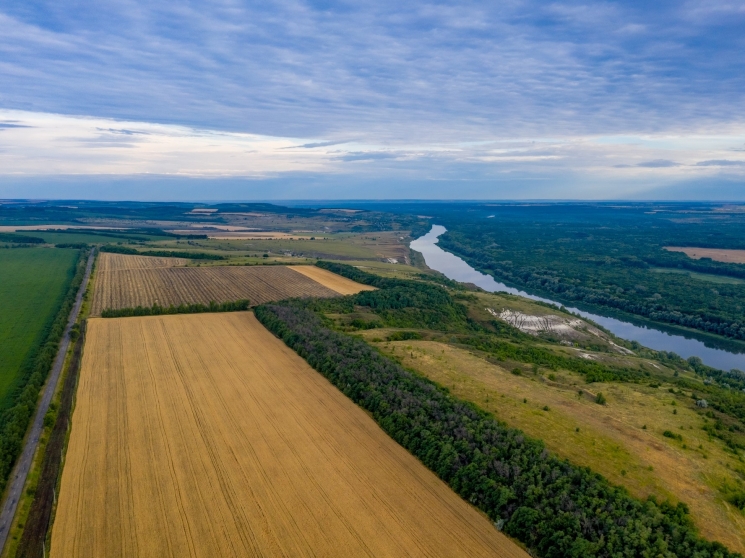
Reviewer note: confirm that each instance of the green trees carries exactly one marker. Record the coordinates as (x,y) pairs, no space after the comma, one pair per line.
(555,508)
(612,258)
(157,309)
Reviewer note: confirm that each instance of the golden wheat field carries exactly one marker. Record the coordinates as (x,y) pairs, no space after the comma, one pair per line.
(335,282)
(204,436)
(123,284)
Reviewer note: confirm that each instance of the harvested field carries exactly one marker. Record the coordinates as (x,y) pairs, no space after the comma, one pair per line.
(335,282)
(716,254)
(118,262)
(131,287)
(206,436)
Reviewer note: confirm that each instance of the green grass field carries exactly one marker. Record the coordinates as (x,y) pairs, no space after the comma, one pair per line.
(32,282)
(721,279)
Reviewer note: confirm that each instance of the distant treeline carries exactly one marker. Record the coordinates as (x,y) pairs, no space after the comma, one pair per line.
(610,264)
(20,238)
(416,304)
(157,310)
(138,234)
(556,509)
(115,249)
(20,404)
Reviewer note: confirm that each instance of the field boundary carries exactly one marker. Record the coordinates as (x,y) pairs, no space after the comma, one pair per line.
(157,310)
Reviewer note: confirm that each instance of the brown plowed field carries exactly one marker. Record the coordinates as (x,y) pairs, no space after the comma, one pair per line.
(335,282)
(130,287)
(204,436)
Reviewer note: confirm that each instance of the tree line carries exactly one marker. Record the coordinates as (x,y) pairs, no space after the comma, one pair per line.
(556,509)
(157,310)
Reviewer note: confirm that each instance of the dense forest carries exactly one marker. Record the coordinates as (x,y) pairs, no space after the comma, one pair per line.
(613,257)
(553,507)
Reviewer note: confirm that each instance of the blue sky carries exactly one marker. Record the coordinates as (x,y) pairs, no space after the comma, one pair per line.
(240,100)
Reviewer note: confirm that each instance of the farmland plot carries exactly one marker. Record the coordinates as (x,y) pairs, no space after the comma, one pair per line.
(335,282)
(127,287)
(117,262)
(207,436)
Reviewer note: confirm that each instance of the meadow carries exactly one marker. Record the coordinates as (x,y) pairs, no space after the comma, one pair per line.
(206,436)
(32,284)
(622,439)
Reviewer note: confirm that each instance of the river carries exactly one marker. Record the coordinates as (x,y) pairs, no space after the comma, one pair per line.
(686,346)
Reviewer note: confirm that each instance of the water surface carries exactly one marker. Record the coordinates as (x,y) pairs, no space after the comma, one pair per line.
(686,346)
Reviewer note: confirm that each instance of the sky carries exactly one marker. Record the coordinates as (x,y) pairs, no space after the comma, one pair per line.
(516,99)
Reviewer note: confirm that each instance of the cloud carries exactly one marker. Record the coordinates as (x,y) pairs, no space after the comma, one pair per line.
(368,156)
(9,124)
(382,71)
(721,163)
(658,164)
(319,144)
(568,166)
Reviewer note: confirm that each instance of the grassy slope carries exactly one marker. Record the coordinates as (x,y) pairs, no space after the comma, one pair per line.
(611,438)
(32,280)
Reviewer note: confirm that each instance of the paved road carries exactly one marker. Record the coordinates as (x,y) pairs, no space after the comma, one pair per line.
(18,476)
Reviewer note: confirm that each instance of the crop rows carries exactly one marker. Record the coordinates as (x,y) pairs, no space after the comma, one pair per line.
(128,288)
(203,435)
(116,262)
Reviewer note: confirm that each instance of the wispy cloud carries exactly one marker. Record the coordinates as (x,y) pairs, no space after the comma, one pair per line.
(429,90)
(382,70)
(721,163)
(658,164)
